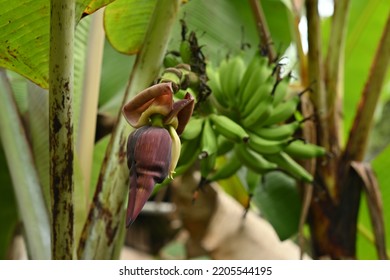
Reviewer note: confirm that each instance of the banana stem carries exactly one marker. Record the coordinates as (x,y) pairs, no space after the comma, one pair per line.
(263,30)
(334,72)
(357,141)
(335,57)
(316,74)
(62,24)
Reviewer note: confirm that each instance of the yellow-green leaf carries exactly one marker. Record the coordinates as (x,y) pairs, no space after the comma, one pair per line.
(24,37)
(126,22)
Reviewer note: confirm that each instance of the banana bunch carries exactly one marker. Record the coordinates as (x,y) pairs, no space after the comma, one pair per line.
(244,121)
(249,118)
(207,137)
(253,123)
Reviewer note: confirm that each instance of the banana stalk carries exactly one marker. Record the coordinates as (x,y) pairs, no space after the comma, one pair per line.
(62,26)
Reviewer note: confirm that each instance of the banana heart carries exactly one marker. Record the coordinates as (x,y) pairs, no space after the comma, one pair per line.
(153,149)
(148,159)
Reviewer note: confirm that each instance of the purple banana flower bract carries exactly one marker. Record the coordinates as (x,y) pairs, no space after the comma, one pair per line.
(153,149)
(148,158)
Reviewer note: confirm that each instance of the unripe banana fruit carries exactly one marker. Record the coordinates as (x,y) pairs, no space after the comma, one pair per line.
(286,163)
(227,169)
(265,147)
(193,128)
(278,132)
(283,111)
(208,141)
(252,160)
(230,75)
(252,110)
(229,128)
(300,149)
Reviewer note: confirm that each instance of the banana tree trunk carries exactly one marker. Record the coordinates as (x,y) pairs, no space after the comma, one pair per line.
(341,178)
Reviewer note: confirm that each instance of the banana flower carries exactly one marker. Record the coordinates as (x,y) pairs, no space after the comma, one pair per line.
(153,149)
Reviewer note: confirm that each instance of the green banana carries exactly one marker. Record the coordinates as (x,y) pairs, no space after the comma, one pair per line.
(188,155)
(208,141)
(230,75)
(171,60)
(280,90)
(300,149)
(265,146)
(229,128)
(289,165)
(180,94)
(260,114)
(189,150)
(278,132)
(283,111)
(224,145)
(261,93)
(215,86)
(256,60)
(207,165)
(172,75)
(185,52)
(253,160)
(227,169)
(193,128)
(251,81)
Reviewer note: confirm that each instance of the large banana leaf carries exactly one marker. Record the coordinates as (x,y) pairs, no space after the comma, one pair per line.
(94,5)
(24,37)
(367,19)
(115,74)
(126,22)
(279,202)
(223,26)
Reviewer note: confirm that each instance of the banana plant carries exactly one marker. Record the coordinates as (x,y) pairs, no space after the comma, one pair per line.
(259,130)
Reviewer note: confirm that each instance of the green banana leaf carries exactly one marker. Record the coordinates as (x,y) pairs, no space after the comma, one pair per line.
(126,22)
(115,74)
(223,26)
(24,37)
(95,5)
(19,88)
(37,122)
(366,22)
